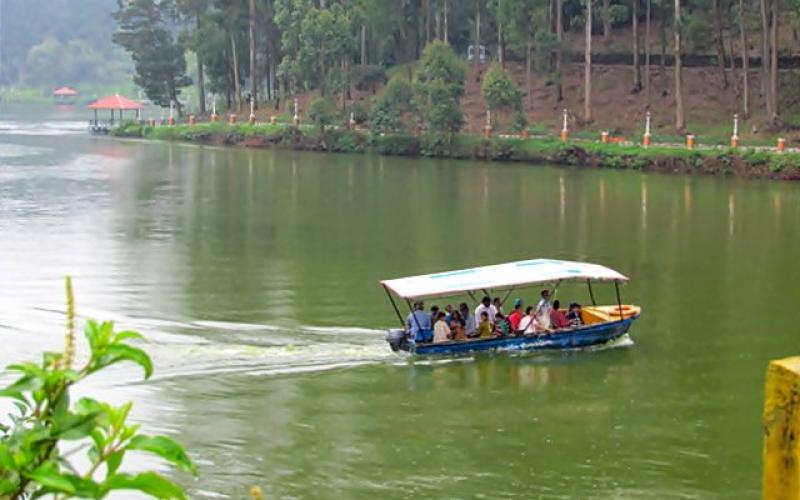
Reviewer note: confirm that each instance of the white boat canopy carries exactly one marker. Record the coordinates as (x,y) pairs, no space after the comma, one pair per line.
(499,277)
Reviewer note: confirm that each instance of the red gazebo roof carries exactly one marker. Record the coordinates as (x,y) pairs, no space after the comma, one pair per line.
(65,92)
(115,102)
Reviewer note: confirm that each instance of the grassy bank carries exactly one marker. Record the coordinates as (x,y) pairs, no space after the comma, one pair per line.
(745,162)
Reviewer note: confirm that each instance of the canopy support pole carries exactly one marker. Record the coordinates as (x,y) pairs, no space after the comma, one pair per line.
(591,292)
(508,294)
(394,305)
(619,299)
(474,298)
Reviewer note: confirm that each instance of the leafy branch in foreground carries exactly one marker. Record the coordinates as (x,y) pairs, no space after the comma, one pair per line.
(37,439)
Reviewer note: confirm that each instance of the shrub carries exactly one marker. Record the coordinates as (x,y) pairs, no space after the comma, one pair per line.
(322,112)
(500,90)
(33,462)
(440,64)
(396,99)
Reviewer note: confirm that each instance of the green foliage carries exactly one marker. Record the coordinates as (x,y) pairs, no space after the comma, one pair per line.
(158,57)
(322,112)
(440,85)
(33,463)
(388,108)
(440,65)
(360,111)
(369,77)
(52,63)
(500,90)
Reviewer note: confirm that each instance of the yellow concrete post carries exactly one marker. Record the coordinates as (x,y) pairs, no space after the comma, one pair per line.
(782,431)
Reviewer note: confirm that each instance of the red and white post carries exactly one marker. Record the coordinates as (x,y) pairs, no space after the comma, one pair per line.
(564,129)
(296,112)
(735,136)
(487,129)
(647,135)
(214,116)
(171,113)
(252,111)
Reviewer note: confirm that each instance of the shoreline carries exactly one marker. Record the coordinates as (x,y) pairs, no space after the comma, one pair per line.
(744,162)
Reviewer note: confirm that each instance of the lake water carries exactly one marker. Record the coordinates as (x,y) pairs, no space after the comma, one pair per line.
(253,274)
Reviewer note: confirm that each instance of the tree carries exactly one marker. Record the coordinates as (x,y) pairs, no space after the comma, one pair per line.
(389,108)
(321,112)
(680,119)
(587,69)
(501,92)
(718,41)
(745,61)
(253,53)
(193,13)
(440,85)
(499,89)
(637,69)
(159,60)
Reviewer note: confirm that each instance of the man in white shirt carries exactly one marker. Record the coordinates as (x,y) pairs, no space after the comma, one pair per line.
(487,307)
(543,309)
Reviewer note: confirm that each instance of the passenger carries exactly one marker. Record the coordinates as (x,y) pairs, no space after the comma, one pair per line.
(526,320)
(457,327)
(485,326)
(543,309)
(468,319)
(441,330)
(497,304)
(574,315)
(502,327)
(557,318)
(485,307)
(530,323)
(434,313)
(516,315)
(448,309)
(418,323)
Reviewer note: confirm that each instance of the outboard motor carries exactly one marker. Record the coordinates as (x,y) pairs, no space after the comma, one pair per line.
(398,340)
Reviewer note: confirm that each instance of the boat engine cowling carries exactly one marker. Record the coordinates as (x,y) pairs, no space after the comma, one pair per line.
(397,339)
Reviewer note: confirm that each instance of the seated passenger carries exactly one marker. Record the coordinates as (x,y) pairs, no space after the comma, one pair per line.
(530,324)
(502,327)
(526,321)
(457,327)
(557,318)
(468,320)
(574,315)
(497,304)
(448,310)
(441,330)
(485,326)
(516,315)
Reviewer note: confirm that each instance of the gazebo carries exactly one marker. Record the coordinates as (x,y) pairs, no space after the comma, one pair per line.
(114,103)
(65,93)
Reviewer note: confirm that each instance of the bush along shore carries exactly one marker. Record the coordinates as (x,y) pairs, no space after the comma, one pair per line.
(743,162)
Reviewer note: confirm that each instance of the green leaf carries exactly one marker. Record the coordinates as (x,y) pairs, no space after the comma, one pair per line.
(26,383)
(48,476)
(128,335)
(71,426)
(148,482)
(113,462)
(6,460)
(122,352)
(166,448)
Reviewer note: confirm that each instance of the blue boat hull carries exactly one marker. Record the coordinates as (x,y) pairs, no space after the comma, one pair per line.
(566,339)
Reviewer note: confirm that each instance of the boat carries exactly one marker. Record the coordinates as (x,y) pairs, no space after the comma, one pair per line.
(601,323)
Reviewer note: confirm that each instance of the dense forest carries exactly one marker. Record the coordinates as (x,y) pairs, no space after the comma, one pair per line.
(59,42)
(272,49)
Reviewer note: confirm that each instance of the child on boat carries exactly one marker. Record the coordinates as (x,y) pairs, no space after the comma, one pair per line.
(441,330)
(485,326)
